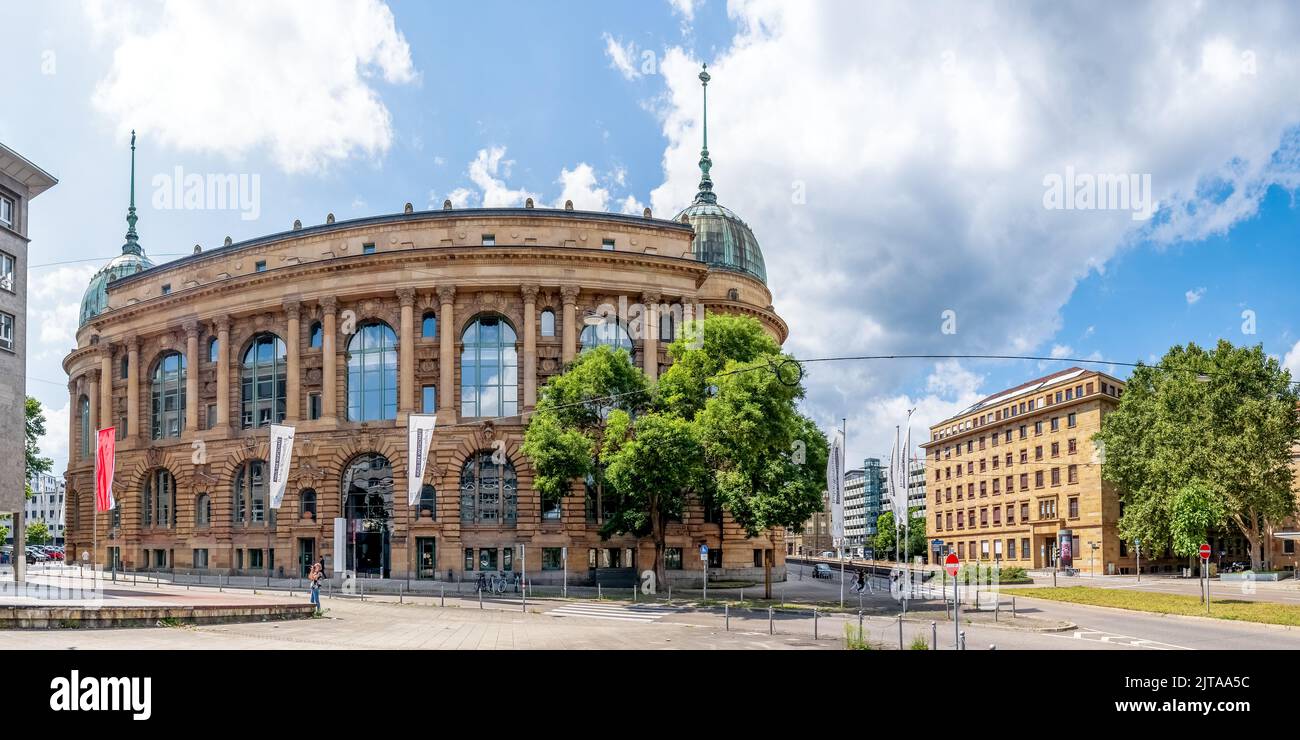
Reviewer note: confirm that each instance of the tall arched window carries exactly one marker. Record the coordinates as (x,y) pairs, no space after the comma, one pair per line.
(250,494)
(307,504)
(372,373)
(87,440)
(611,333)
(212,350)
(159,504)
(667,326)
(428,502)
(167,392)
(548,323)
(488,490)
(316,335)
(489,369)
(429,325)
(203,510)
(262,382)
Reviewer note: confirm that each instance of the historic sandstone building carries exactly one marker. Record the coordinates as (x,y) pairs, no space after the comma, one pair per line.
(344,329)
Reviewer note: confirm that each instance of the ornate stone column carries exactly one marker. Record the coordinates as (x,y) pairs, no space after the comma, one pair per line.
(223,372)
(446,355)
(293,336)
(530,345)
(329,397)
(406,355)
(132,387)
(569,344)
(92,392)
(192,410)
(105,385)
(74,422)
(650,335)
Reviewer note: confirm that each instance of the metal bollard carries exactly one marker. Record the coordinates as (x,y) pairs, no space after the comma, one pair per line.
(742,595)
(1013,607)
(900,631)
(480,598)
(634,594)
(962,640)
(362,581)
(399,594)
(442,595)
(726,615)
(599,596)
(934,636)
(859,621)
(814,623)
(770,628)
(997,607)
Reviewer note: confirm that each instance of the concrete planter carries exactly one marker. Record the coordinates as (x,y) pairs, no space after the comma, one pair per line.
(1254,576)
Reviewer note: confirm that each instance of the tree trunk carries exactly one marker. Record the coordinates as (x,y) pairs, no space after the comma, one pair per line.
(1250,529)
(658,532)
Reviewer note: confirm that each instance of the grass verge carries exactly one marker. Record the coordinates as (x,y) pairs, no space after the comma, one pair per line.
(1238,610)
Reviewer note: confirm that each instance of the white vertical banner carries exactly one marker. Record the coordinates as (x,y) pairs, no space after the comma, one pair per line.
(340,544)
(281,456)
(835,485)
(419,434)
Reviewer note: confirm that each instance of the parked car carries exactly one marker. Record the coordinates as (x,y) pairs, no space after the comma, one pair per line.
(36,555)
(822,570)
(1239,566)
(827,554)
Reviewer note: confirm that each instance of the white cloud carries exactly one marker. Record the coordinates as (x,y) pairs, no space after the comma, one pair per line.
(488,171)
(54,444)
(631,205)
(579,185)
(54,309)
(921,136)
(1292,362)
(684,8)
(621,56)
(296,78)
(1194,295)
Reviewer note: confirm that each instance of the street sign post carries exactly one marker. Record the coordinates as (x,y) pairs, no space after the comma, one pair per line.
(1205,575)
(704,557)
(950,564)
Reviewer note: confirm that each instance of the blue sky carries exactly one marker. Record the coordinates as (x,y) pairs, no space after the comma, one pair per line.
(890,158)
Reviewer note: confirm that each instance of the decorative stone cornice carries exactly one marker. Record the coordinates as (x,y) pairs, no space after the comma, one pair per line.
(529,292)
(406,297)
(446,294)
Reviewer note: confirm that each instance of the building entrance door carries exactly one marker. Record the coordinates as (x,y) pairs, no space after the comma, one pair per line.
(368,506)
(306,555)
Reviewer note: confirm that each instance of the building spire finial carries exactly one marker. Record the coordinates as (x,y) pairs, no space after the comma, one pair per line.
(132,244)
(705,194)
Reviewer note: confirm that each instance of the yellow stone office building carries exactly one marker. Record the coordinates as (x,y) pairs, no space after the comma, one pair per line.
(342,330)
(1016,476)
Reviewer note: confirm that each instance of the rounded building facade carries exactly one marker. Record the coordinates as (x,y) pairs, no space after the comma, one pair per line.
(343,330)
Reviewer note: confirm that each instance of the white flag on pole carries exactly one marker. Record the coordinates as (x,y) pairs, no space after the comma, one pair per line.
(419,435)
(835,485)
(281,455)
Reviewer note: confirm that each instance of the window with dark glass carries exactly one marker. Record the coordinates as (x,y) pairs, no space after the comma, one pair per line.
(552,558)
(428,502)
(167,394)
(87,436)
(262,382)
(159,499)
(429,325)
(307,504)
(203,510)
(315,336)
(250,494)
(372,373)
(489,369)
(212,349)
(488,489)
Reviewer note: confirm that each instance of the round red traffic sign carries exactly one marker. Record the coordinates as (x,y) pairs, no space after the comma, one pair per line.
(1205,552)
(950,564)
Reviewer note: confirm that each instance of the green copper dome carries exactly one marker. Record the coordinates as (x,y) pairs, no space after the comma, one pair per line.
(129,262)
(722,240)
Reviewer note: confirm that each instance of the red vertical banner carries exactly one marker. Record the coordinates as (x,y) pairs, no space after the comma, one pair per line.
(104,462)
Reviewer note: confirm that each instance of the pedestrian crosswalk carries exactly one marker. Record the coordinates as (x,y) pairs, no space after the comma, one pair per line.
(612,612)
(1112,638)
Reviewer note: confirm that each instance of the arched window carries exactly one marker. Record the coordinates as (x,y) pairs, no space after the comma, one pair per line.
(429,325)
(203,510)
(368,505)
(548,323)
(316,336)
(307,504)
(212,349)
(428,502)
(167,392)
(87,439)
(610,333)
(487,490)
(489,369)
(159,505)
(250,494)
(262,382)
(372,373)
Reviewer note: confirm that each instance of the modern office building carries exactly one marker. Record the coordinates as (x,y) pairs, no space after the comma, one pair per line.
(20,181)
(855,510)
(1015,477)
(916,501)
(814,537)
(47,505)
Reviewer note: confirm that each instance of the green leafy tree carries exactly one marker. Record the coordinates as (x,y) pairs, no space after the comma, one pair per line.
(35,429)
(565,438)
(1195,512)
(38,534)
(886,538)
(1221,419)
(654,467)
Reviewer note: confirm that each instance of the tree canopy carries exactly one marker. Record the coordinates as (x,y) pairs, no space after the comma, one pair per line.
(34,430)
(1203,437)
